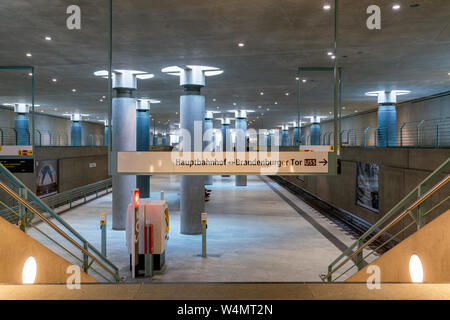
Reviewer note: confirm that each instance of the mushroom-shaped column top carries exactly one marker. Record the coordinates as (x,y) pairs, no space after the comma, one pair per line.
(20,107)
(241,114)
(144,103)
(209,115)
(225,121)
(192,75)
(284,127)
(125,79)
(76,117)
(387,97)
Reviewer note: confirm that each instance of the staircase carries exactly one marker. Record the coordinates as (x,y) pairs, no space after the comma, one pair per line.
(422,205)
(31,212)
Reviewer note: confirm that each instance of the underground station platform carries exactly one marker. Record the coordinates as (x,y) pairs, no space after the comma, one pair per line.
(202,152)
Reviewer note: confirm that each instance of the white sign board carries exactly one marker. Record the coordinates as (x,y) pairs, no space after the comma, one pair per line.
(16,151)
(229,163)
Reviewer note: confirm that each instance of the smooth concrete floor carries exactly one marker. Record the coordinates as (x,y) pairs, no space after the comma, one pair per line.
(253,235)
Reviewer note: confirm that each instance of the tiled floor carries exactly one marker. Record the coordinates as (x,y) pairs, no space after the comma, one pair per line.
(253,235)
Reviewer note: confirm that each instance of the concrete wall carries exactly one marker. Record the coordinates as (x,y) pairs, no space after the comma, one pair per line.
(73,166)
(56,125)
(410,111)
(431,244)
(16,247)
(401,170)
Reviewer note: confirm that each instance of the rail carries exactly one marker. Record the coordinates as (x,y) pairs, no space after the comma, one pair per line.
(393,219)
(27,210)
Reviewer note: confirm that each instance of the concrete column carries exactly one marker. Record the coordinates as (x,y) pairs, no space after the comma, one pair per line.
(387,116)
(75,130)
(285,136)
(209,125)
(226,137)
(143,140)
(155,139)
(22,124)
(164,139)
(315,134)
(296,138)
(123,130)
(192,110)
(241,142)
(106,134)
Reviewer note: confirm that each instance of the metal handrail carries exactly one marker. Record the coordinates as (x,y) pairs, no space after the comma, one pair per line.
(418,202)
(37,200)
(56,228)
(348,252)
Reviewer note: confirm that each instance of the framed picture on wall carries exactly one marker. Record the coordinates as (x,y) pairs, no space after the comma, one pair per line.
(367,185)
(46,177)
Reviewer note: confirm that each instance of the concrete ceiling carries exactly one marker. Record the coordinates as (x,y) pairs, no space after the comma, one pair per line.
(411,51)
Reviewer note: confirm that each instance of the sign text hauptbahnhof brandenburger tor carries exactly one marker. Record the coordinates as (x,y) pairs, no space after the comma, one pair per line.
(233,163)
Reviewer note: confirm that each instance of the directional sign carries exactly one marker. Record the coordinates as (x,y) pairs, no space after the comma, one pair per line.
(229,163)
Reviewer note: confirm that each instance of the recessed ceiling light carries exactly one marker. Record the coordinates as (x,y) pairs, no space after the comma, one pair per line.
(268,109)
(297,78)
(56,109)
(356,110)
(54,80)
(276,102)
(261,93)
(326,7)
(28,54)
(217,107)
(343,108)
(74,90)
(240,44)
(101,100)
(287,93)
(48,38)
(304,80)
(104,97)
(333,57)
(30,74)
(259,107)
(396,6)
(214,99)
(234,103)
(330,53)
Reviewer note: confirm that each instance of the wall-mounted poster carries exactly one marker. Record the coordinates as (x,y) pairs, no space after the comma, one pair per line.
(47,177)
(367,185)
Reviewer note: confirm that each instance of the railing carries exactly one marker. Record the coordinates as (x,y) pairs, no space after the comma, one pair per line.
(56,233)
(434,133)
(69,199)
(400,221)
(10,136)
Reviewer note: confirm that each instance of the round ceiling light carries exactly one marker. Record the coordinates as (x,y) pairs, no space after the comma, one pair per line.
(29,271)
(415,268)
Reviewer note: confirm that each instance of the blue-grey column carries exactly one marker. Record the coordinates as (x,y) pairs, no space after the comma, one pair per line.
(285,137)
(155,139)
(75,133)
(164,140)
(22,126)
(143,143)
(387,126)
(241,142)
(192,200)
(226,137)
(209,125)
(315,134)
(296,137)
(106,135)
(268,140)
